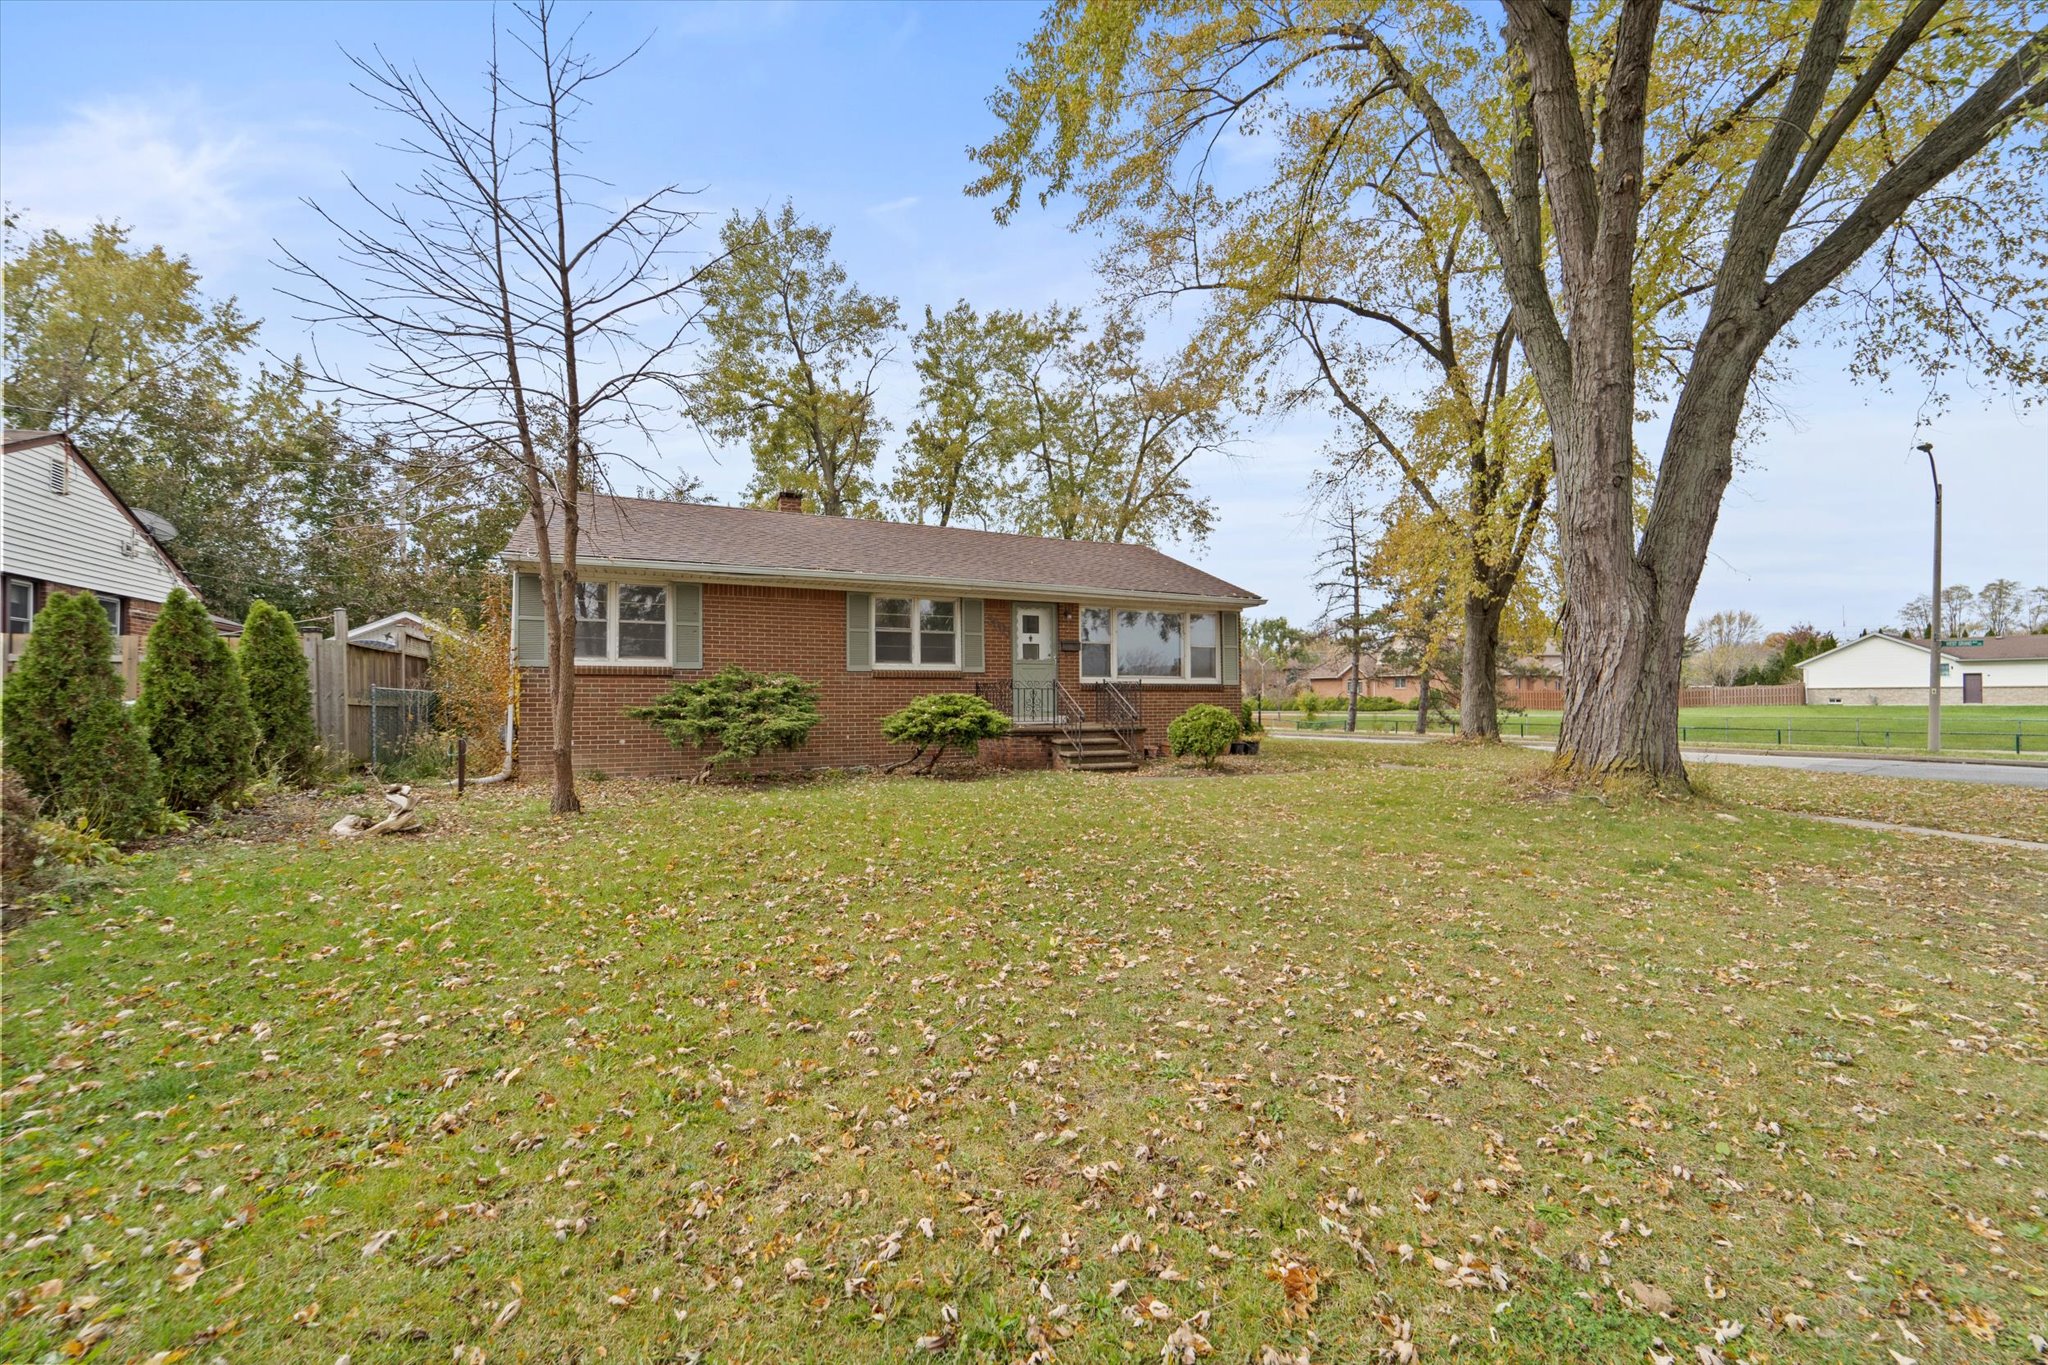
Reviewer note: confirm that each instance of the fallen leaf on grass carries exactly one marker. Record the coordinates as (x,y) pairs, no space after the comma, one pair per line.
(1649,1297)
(379,1242)
(1299,1285)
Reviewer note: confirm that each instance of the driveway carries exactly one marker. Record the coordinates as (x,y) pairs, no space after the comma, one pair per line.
(1912,770)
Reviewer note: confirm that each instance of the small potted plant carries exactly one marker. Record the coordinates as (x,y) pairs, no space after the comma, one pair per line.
(1249,730)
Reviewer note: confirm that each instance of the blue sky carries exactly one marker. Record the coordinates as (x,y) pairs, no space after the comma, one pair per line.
(205,126)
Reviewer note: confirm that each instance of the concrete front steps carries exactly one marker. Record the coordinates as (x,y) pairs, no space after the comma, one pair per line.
(1094,749)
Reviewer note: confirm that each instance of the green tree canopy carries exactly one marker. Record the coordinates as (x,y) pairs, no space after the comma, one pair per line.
(791,369)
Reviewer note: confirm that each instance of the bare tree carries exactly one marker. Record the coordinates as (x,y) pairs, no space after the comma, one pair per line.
(1345,562)
(514,314)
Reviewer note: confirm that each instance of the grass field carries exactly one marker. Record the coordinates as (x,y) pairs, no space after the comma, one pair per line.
(2009,730)
(1345,1051)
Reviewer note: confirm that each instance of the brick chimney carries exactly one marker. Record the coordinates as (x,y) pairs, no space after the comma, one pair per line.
(789,500)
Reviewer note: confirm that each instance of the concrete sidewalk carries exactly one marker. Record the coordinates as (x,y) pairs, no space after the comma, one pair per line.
(1912,770)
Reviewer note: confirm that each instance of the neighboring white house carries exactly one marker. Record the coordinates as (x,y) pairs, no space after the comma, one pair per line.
(1887,670)
(62,528)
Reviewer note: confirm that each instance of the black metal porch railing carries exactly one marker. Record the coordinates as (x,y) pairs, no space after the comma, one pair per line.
(1111,705)
(1116,706)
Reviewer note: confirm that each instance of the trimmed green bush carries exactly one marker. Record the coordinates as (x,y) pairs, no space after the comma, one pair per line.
(109,776)
(280,693)
(1205,731)
(70,737)
(942,721)
(195,708)
(744,713)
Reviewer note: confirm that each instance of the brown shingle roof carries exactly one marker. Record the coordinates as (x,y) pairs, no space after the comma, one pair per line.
(1989,647)
(1338,665)
(749,543)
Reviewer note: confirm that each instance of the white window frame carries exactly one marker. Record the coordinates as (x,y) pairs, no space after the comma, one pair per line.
(610,658)
(917,663)
(23,585)
(1186,647)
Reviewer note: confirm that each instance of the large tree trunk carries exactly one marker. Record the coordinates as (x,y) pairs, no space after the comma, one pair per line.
(1479,698)
(1625,604)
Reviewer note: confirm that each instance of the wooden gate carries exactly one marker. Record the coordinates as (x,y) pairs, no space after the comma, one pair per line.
(343,672)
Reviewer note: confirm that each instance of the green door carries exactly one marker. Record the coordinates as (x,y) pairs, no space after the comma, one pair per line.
(1034,664)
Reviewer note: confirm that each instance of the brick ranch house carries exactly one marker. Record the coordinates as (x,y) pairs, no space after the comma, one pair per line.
(1531,681)
(1091,648)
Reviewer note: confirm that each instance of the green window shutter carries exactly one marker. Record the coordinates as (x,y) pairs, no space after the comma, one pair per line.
(860,632)
(529,621)
(1227,633)
(972,658)
(686,607)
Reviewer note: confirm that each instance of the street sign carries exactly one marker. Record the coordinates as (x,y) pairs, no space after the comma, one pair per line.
(1961,644)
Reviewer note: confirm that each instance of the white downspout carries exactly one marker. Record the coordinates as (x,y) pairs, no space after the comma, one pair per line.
(504,769)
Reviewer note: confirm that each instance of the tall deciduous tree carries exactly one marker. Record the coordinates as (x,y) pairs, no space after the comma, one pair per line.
(1727,643)
(1110,435)
(1030,423)
(973,420)
(515,322)
(1352,276)
(2002,605)
(118,345)
(1706,176)
(793,361)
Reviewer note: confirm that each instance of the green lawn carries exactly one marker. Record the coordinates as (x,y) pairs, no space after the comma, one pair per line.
(1355,1046)
(1987,729)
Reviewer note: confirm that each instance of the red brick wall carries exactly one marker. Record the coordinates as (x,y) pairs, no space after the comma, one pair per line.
(140,615)
(800,631)
(1158,702)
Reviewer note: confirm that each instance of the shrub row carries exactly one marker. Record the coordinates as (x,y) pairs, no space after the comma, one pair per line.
(203,726)
(747,714)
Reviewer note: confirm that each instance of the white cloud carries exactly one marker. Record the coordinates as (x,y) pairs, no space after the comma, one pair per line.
(175,170)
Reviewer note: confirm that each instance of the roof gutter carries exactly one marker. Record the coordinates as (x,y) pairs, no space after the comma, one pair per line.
(813,578)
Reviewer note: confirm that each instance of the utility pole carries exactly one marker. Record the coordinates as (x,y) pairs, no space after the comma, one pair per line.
(1934,616)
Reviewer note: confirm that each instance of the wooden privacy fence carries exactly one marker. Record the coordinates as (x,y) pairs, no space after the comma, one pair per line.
(127,658)
(343,672)
(1784,694)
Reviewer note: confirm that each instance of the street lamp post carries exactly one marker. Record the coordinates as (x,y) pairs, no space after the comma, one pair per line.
(1934,616)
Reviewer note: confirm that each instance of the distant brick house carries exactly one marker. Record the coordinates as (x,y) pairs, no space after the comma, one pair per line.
(1091,648)
(63,528)
(1529,682)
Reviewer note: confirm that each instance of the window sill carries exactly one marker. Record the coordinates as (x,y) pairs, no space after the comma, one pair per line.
(917,668)
(1157,682)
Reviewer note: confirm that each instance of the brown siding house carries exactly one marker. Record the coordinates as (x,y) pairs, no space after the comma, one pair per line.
(1091,648)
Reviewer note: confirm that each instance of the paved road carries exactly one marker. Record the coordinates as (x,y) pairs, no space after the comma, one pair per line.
(1994,774)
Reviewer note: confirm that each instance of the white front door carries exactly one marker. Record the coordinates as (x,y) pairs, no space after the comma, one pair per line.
(1034,664)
